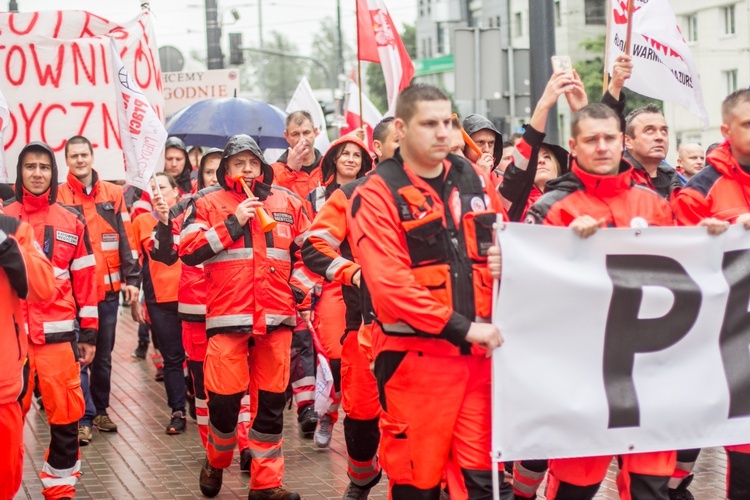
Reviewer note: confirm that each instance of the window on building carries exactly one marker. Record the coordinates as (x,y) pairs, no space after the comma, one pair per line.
(692,28)
(497,21)
(421,7)
(730,78)
(596,11)
(558,19)
(518,24)
(424,48)
(728,12)
(440,49)
(429,7)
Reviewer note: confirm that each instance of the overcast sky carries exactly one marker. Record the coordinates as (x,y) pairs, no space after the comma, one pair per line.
(181,23)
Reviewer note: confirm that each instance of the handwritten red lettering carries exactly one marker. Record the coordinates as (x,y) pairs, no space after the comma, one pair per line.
(141,61)
(16,31)
(48,74)
(44,125)
(20,63)
(58,24)
(78,58)
(89,108)
(14,126)
(110,125)
(27,121)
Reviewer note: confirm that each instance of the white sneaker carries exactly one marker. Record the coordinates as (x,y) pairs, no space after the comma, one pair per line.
(323,432)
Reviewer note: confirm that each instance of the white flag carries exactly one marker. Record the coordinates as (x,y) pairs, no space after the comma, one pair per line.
(142,132)
(4,121)
(663,66)
(303,99)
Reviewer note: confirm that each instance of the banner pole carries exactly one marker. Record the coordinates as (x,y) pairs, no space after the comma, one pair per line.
(605,83)
(629,37)
(359,69)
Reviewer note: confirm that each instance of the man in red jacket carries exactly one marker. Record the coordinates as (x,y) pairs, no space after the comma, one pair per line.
(722,190)
(61,233)
(418,224)
(25,274)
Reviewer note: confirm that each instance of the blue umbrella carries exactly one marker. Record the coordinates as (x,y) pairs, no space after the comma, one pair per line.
(213,121)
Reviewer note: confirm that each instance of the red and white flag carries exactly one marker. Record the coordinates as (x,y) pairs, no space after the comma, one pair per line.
(4,121)
(378,41)
(370,114)
(142,132)
(663,66)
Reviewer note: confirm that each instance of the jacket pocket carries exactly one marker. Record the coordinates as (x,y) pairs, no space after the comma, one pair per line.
(478,228)
(395,449)
(482,282)
(437,280)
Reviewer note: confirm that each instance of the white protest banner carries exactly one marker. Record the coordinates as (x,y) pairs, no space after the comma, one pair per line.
(632,340)
(4,122)
(141,131)
(55,72)
(304,99)
(183,88)
(663,66)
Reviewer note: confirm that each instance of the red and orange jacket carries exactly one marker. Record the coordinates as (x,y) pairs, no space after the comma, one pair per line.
(110,232)
(617,199)
(424,255)
(253,279)
(300,183)
(61,232)
(720,190)
(25,273)
(191,291)
(160,281)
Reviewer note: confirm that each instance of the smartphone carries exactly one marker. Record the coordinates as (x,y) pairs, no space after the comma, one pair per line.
(562,63)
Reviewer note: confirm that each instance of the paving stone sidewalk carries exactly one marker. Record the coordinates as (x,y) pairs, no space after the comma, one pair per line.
(142,462)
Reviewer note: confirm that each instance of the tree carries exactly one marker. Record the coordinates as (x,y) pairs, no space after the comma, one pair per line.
(374,73)
(280,73)
(591,72)
(325,46)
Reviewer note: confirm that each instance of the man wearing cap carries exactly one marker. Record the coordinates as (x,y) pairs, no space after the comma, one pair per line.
(254,278)
(177,165)
(486,136)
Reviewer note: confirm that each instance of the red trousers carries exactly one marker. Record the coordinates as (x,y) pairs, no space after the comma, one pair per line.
(11,449)
(59,377)
(436,409)
(330,326)
(642,475)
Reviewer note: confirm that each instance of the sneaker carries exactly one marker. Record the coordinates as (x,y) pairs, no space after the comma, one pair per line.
(245,459)
(191,406)
(273,494)
(323,432)
(308,421)
(354,492)
(104,423)
(85,435)
(176,423)
(210,480)
(140,352)
(159,377)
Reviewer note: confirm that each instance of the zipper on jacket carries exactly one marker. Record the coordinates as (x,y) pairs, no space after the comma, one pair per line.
(18,335)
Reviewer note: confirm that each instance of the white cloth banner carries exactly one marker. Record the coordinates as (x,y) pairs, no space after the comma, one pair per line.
(632,340)
(4,122)
(142,132)
(303,99)
(663,66)
(55,72)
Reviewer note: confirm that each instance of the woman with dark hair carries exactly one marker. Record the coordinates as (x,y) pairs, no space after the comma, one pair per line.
(347,160)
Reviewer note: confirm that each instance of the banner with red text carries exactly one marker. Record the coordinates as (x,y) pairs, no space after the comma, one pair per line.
(56,74)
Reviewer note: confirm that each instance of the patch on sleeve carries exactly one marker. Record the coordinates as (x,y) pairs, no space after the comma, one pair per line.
(66,237)
(283,217)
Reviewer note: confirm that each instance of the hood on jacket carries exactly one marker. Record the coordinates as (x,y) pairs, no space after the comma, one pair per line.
(202,165)
(237,144)
(474,123)
(37,146)
(328,165)
(570,182)
(183,180)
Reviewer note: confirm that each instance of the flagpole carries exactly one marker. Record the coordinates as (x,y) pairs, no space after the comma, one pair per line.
(605,83)
(359,69)
(629,37)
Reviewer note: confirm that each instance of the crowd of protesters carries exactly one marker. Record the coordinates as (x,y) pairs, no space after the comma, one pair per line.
(380,258)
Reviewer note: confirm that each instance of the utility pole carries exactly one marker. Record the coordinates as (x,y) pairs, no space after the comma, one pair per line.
(541,50)
(340,62)
(261,74)
(213,36)
(12,6)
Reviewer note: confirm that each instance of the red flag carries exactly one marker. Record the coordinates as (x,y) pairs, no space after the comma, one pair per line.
(379,41)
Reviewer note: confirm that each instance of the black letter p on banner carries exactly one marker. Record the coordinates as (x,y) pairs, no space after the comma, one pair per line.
(626,335)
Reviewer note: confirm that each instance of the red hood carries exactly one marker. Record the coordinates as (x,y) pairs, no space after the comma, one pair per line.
(328,164)
(722,160)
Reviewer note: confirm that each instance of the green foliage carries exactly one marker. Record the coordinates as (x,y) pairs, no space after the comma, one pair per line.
(281,74)
(591,72)
(326,48)
(374,74)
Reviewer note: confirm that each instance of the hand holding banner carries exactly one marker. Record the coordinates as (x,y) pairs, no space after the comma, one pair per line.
(143,135)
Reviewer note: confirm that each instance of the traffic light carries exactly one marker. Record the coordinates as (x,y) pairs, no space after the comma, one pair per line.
(236,55)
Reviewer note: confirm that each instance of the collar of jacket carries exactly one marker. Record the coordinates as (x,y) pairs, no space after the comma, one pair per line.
(77,186)
(605,185)
(258,188)
(33,203)
(663,166)
(722,160)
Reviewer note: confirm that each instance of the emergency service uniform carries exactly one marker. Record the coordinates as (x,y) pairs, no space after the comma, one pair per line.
(53,355)
(621,202)
(424,263)
(253,281)
(720,190)
(25,274)
(111,236)
(185,183)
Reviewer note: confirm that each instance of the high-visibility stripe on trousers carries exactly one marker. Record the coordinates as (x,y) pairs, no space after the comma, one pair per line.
(302,367)
(11,449)
(227,378)
(641,476)
(528,476)
(58,373)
